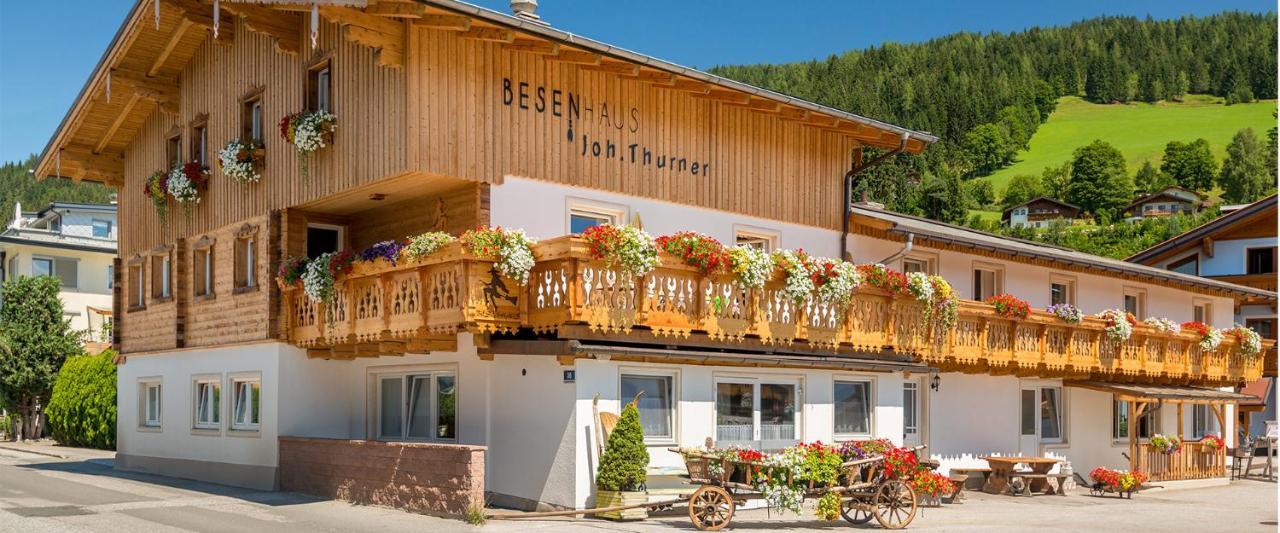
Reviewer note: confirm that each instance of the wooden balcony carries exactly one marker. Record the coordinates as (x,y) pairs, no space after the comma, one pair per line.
(382,308)
(1193,461)
(1266,282)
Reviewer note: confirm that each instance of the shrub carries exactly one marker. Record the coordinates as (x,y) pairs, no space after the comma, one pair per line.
(82,410)
(623,463)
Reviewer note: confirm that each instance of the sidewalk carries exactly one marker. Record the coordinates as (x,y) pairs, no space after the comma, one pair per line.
(50,448)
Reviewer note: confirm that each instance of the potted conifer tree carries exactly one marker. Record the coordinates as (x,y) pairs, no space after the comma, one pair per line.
(621,475)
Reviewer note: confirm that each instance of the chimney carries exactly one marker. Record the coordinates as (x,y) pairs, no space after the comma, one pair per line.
(527,10)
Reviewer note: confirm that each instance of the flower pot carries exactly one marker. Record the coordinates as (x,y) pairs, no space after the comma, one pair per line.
(614,498)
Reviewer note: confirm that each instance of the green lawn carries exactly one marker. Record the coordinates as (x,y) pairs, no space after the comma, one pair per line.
(1139,130)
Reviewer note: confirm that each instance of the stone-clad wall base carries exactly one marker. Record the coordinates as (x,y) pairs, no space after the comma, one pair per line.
(418,477)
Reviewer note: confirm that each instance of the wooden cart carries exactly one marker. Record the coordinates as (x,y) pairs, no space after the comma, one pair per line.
(866,491)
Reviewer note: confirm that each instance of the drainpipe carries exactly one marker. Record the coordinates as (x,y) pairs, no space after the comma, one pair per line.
(851,181)
(906,249)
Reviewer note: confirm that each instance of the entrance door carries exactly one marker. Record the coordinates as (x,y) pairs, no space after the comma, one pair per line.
(1029,441)
(762,415)
(911,413)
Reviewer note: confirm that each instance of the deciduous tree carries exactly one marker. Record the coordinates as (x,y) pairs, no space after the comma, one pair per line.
(1245,177)
(1100,184)
(37,339)
(1022,188)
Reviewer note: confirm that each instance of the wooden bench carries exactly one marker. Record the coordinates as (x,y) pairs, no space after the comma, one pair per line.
(1027,477)
(958,494)
(968,473)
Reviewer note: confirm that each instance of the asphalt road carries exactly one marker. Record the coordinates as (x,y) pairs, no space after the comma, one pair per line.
(83,493)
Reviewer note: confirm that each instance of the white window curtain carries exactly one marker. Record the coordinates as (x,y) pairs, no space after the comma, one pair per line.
(853,408)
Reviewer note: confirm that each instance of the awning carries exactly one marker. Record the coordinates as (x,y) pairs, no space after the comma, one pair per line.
(574,348)
(1171,393)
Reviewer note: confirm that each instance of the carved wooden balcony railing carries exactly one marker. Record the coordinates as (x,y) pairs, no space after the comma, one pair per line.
(384,308)
(1194,460)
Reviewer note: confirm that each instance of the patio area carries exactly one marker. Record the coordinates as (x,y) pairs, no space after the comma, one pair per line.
(1248,505)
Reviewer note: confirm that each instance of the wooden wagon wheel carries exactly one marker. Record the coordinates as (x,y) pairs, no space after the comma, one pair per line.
(894,505)
(855,511)
(710,508)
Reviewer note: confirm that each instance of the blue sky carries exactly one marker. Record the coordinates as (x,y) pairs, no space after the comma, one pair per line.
(47,49)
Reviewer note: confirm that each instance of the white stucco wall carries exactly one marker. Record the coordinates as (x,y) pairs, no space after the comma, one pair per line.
(91,277)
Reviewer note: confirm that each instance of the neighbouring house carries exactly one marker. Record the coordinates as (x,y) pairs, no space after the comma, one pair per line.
(453,117)
(1238,247)
(1039,213)
(75,243)
(1170,201)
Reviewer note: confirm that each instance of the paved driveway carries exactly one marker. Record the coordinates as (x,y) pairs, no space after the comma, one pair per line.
(83,493)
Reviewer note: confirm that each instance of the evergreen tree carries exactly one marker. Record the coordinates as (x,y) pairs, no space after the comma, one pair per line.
(1149,179)
(1244,177)
(36,340)
(1100,184)
(625,458)
(942,198)
(1022,188)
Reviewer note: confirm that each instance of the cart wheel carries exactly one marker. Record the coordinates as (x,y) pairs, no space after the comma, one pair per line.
(710,508)
(894,505)
(855,511)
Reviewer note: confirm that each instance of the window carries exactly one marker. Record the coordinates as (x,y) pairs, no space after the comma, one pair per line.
(581,219)
(913,265)
(418,406)
(322,239)
(173,149)
(1135,302)
(761,415)
(246,272)
(1147,423)
(208,403)
(853,408)
(161,277)
(1260,260)
(1042,413)
(1265,327)
(1188,265)
(1199,420)
(203,265)
(756,237)
(251,118)
(911,411)
(1202,311)
(657,406)
(200,141)
(66,270)
(111,276)
(986,281)
(55,224)
(149,398)
(137,298)
(102,229)
(246,403)
(1062,290)
(320,86)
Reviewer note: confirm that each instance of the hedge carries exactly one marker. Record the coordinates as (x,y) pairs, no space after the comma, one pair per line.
(82,410)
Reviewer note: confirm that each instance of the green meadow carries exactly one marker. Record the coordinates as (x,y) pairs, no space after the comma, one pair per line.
(1139,130)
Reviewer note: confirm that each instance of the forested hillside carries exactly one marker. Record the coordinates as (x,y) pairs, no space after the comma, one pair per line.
(17,184)
(985,95)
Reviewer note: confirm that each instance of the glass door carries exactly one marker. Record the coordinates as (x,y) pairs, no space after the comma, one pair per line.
(417,406)
(911,413)
(760,415)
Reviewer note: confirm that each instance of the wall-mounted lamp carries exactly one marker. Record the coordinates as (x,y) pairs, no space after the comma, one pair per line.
(935,383)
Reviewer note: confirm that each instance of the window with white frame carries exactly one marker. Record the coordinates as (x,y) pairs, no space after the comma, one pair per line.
(246,403)
(755,237)
(911,410)
(1199,421)
(1062,290)
(1135,302)
(207,402)
(657,405)
(101,228)
(587,214)
(149,403)
(762,415)
(987,280)
(1202,310)
(1042,413)
(417,406)
(246,267)
(852,400)
(161,276)
(1148,423)
(203,266)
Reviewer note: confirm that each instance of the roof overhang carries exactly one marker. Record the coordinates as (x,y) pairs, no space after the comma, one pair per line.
(1162,393)
(100,158)
(1193,236)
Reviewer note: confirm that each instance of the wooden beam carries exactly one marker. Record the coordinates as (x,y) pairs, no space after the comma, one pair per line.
(656,77)
(533,46)
(616,67)
(760,104)
(285,29)
(580,57)
(723,95)
(390,47)
(397,9)
(115,125)
(497,35)
(690,85)
(793,113)
(164,92)
(174,39)
(444,22)
(354,17)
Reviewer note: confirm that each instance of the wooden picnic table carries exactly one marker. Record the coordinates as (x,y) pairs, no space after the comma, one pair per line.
(1003,469)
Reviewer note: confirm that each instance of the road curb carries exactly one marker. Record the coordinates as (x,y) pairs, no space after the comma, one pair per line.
(35,452)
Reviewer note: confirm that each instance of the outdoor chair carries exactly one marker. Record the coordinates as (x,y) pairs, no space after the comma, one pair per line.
(1242,458)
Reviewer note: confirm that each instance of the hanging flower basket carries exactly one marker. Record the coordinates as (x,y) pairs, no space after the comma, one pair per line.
(1249,341)
(308,132)
(627,248)
(1066,312)
(242,161)
(185,183)
(1210,337)
(751,266)
(510,247)
(157,190)
(1163,325)
(1119,324)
